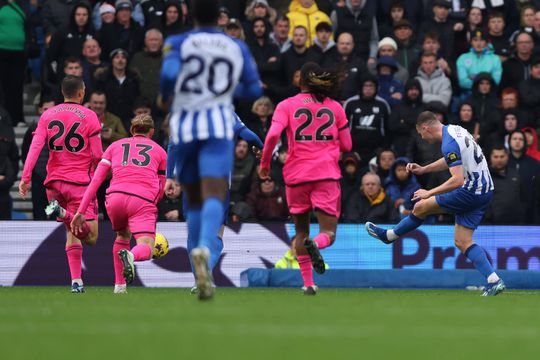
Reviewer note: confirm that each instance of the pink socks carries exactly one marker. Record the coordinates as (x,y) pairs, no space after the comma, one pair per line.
(118,267)
(74,256)
(322,240)
(141,252)
(306,269)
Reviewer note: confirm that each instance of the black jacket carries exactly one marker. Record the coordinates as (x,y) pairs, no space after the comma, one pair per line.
(368,119)
(403,119)
(292,61)
(352,66)
(515,71)
(268,71)
(484,105)
(359,210)
(527,167)
(506,204)
(115,36)
(529,93)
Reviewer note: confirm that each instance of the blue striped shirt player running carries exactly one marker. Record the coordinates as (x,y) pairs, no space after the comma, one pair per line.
(466,194)
(202,70)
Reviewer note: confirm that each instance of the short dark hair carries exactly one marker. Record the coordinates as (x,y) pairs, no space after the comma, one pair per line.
(428,54)
(71,60)
(498,147)
(426,117)
(206,12)
(323,26)
(495,14)
(282,17)
(432,35)
(141,102)
(71,84)
(301,27)
(98,93)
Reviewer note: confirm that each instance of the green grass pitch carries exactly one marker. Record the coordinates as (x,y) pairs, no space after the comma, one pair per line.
(51,323)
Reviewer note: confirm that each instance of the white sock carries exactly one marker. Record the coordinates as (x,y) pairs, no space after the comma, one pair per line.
(391,235)
(62,213)
(493,278)
(78,281)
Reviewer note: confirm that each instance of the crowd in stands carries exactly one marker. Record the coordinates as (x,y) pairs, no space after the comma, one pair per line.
(475,63)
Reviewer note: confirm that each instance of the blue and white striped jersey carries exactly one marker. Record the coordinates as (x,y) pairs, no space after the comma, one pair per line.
(459,148)
(204,67)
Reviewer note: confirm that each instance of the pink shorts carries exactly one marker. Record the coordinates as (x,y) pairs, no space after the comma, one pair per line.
(69,196)
(128,212)
(323,195)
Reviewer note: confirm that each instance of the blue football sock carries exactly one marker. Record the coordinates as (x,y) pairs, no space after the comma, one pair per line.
(478,257)
(212,218)
(194,230)
(407,224)
(215,252)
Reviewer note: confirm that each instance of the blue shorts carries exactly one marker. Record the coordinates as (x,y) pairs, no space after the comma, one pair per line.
(209,158)
(469,208)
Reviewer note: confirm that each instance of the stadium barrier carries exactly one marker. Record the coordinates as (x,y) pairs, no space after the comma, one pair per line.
(32,253)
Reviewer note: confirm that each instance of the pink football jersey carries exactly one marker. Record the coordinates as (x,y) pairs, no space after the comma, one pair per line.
(313,133)
(137,164)
(71,132)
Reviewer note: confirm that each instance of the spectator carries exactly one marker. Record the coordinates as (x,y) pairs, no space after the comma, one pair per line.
(443,26)
(260,117)
(223,17)
(527,168)
(37,187)
(279,92)
(531,138)
(431,44)
(306,14)
(497,35)
(527,22)
(259,9)
(297,55)
(170,207)
(510,100)
(112,128)
(388,47)
(368,118)
(403,117)
(172,22)
(9,163)
(276,170)
(91,61)
(124,33)
(280,35)
(72,66)
(351,176)
(147,64)
(383,162)
(370,203)
(234,29)
(529,91)
(267,201)
(400,186)
(351,65)
(473,22)
(395,13)
(120,85)
(244,164)
(407,50)
(56,15)
(265,53)
(390,90)
(358,17)
(323,45)
(143,106)
(14,40)
(68,41)
(435,85)
(107,14)
(480,59)
(508,124)
(503,208)
(484,100)
(413,10)
(518,67)
(154,12)
(506,7)
(237,8)
(467,120)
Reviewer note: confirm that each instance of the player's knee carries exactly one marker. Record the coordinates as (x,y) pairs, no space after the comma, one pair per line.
(90,240)
(420,209)
(299,240)
(461,244)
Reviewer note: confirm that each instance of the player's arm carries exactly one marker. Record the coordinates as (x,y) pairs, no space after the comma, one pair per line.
(99,176)
(280,120)
(162,172)
(38,140)
(96,147)
(171,164)
(456,180)
(344,132)
(169,70)
(435,166)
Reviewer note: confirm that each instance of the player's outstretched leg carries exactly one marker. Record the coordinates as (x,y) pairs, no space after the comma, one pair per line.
(54,210)
(199,258)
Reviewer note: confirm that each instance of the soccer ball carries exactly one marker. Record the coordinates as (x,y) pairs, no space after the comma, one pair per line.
(161,246)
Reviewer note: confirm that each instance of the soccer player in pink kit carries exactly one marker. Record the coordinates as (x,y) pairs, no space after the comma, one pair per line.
(317,130)
(71,132)
(138,180)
